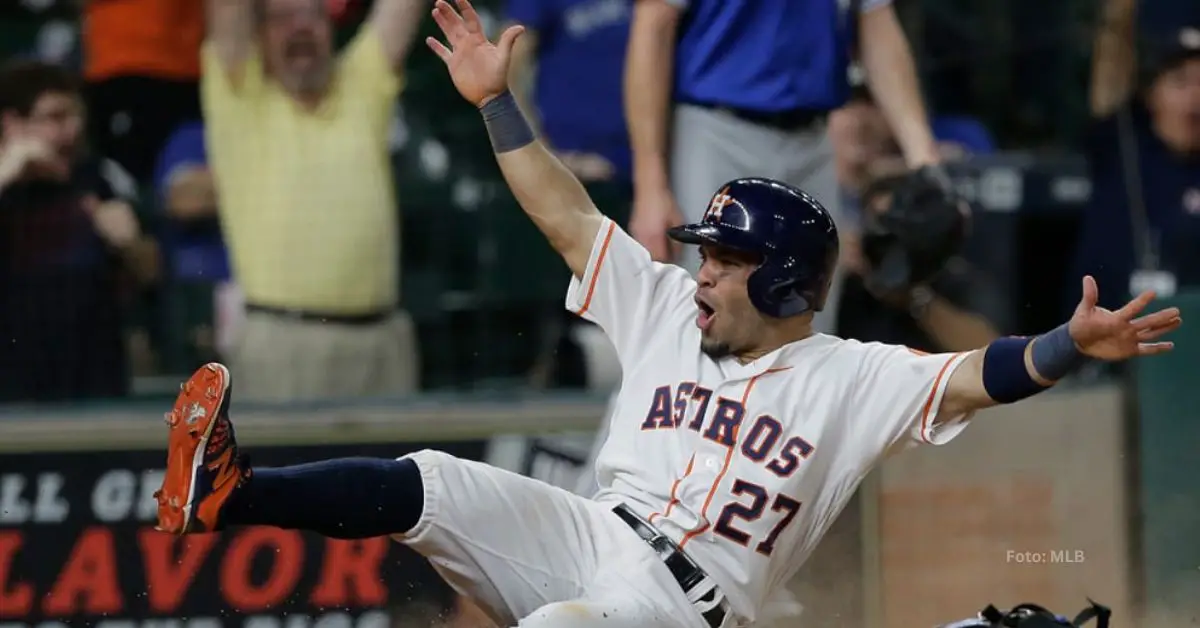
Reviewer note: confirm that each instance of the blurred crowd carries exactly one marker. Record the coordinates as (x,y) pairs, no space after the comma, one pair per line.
(237,170)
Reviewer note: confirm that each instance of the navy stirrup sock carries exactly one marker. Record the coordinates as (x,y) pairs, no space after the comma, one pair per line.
(346,498)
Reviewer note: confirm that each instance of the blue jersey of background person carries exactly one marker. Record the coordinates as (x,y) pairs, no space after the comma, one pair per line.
(580,59)
(766,55)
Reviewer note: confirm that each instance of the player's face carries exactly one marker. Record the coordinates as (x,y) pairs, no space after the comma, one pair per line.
(729,324)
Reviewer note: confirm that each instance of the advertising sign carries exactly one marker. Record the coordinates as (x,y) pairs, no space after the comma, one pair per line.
(78,547)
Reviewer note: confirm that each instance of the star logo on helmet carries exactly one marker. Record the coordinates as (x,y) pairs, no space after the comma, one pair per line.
(720,201)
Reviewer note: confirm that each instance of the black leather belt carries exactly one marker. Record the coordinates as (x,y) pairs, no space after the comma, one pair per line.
(687,573)
(370,318)
(790,120)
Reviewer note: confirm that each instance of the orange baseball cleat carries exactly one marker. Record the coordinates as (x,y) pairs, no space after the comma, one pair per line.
(203,464)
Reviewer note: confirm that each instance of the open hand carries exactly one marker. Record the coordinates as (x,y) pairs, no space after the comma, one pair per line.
(1115,336)
(478,67)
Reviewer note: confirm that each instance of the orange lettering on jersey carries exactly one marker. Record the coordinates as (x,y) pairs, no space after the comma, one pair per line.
(794,450)
(748,512)
(659,415)
(761,438)
(702,395)
(682,395)
(669,407)
(725,421)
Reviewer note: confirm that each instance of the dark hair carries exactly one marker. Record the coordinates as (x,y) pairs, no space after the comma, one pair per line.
(1159,53)
(22,83)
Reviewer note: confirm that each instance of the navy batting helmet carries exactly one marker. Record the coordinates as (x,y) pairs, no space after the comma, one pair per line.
(790,230)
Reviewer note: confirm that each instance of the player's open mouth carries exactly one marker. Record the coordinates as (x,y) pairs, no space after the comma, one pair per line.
(705,317)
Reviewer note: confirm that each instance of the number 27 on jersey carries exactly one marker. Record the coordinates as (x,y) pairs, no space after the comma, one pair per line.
(760,504)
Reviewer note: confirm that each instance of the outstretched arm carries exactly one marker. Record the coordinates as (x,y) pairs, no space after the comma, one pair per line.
(913,398)
(1012,369)
(552,197)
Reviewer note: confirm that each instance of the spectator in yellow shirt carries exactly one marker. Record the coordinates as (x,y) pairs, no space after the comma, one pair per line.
(297,141)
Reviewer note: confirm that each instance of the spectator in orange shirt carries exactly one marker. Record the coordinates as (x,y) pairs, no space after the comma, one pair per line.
(141,63)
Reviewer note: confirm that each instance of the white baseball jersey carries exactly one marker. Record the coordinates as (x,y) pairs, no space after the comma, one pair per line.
(745,466)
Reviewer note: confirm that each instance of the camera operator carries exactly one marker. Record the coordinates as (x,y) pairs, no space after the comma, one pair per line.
(906,283)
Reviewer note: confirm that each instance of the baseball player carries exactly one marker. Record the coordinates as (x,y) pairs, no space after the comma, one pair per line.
(739,433)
